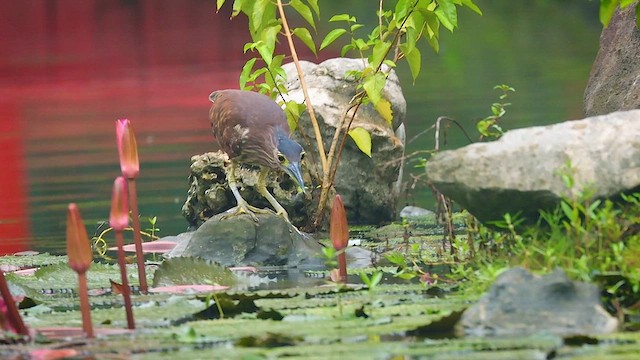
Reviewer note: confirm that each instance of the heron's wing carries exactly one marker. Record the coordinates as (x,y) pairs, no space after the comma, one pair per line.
(244,120)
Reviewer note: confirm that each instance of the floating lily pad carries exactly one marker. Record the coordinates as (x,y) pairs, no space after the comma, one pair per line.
(190,271)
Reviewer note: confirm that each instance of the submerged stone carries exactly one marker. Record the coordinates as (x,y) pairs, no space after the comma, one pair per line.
(239,241)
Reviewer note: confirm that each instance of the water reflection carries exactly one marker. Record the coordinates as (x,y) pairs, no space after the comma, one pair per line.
(69,69)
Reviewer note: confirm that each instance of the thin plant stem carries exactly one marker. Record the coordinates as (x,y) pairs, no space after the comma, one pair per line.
(342,266)
(85,308)
(126,290)
(303,86)
(12,309)
(137,239)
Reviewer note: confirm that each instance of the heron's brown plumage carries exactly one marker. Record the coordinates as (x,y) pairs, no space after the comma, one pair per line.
(244,122)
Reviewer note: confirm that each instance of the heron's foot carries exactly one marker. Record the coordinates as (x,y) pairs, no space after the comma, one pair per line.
(244,208)
(282,212)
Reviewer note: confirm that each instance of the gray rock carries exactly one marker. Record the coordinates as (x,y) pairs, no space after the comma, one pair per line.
(520,303)
(521,172)
(365,184)
(239,241)
(209,193)
(614,82)
(182,241)
(415,211)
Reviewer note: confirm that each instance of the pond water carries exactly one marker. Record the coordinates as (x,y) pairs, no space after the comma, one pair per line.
(69,69)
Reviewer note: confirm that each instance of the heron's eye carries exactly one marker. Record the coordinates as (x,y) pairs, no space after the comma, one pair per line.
(302,154)
(282,158)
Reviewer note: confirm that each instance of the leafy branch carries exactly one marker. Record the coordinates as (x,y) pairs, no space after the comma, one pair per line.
(395,38)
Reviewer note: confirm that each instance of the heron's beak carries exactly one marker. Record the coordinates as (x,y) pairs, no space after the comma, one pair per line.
(294,170)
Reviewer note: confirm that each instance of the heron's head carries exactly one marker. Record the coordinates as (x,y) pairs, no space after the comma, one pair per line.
(290,154)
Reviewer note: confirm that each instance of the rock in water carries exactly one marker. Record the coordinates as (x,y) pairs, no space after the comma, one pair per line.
(520,303)
(239,241)
(522,171)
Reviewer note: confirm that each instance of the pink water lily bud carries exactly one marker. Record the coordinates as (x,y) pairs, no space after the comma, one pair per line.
(78,248)
(127,149)
(119,218)
(338,227)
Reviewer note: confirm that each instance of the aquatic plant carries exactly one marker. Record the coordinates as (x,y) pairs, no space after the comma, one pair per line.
(80,258)
(130,167)
(9,310)
(339,234)
(119,220)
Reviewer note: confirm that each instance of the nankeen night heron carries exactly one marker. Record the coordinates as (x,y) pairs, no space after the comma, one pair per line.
(252,129)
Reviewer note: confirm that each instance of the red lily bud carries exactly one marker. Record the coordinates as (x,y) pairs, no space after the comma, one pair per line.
(127,149)
(339,229)
(119,219)
(78,249)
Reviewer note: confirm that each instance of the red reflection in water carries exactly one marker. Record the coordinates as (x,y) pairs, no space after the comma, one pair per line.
(13,210)
(69,68)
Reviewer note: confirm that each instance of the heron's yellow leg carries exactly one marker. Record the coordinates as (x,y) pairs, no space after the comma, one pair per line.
(243,207)
(261,186)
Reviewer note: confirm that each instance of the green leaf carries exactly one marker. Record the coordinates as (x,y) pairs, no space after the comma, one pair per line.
(343,17)
(246,71)
(433,41)
(237,7)
(346,49)
(433,25)
(383,106)
(414,59)
(304,11)
(638,15)
(305,36)
(472,6)
(293,111)
(258,14)
(375,278)
(355,27)
(219,4)
(314,6)
(362,138)
(607,8)
(625,3)
(379,53)
(447,13)
(396,258)
(373,85)
(332,36)
(402,8)
(268,45)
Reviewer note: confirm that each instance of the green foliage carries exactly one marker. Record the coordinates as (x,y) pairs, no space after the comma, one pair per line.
(489,127)
(593,240)
(371,281)
(608,8)
(396,37)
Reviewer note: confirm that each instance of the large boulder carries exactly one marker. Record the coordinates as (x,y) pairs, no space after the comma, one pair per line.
(366,184)
(240,241)
(520,303)
(614,83)
(522,171)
